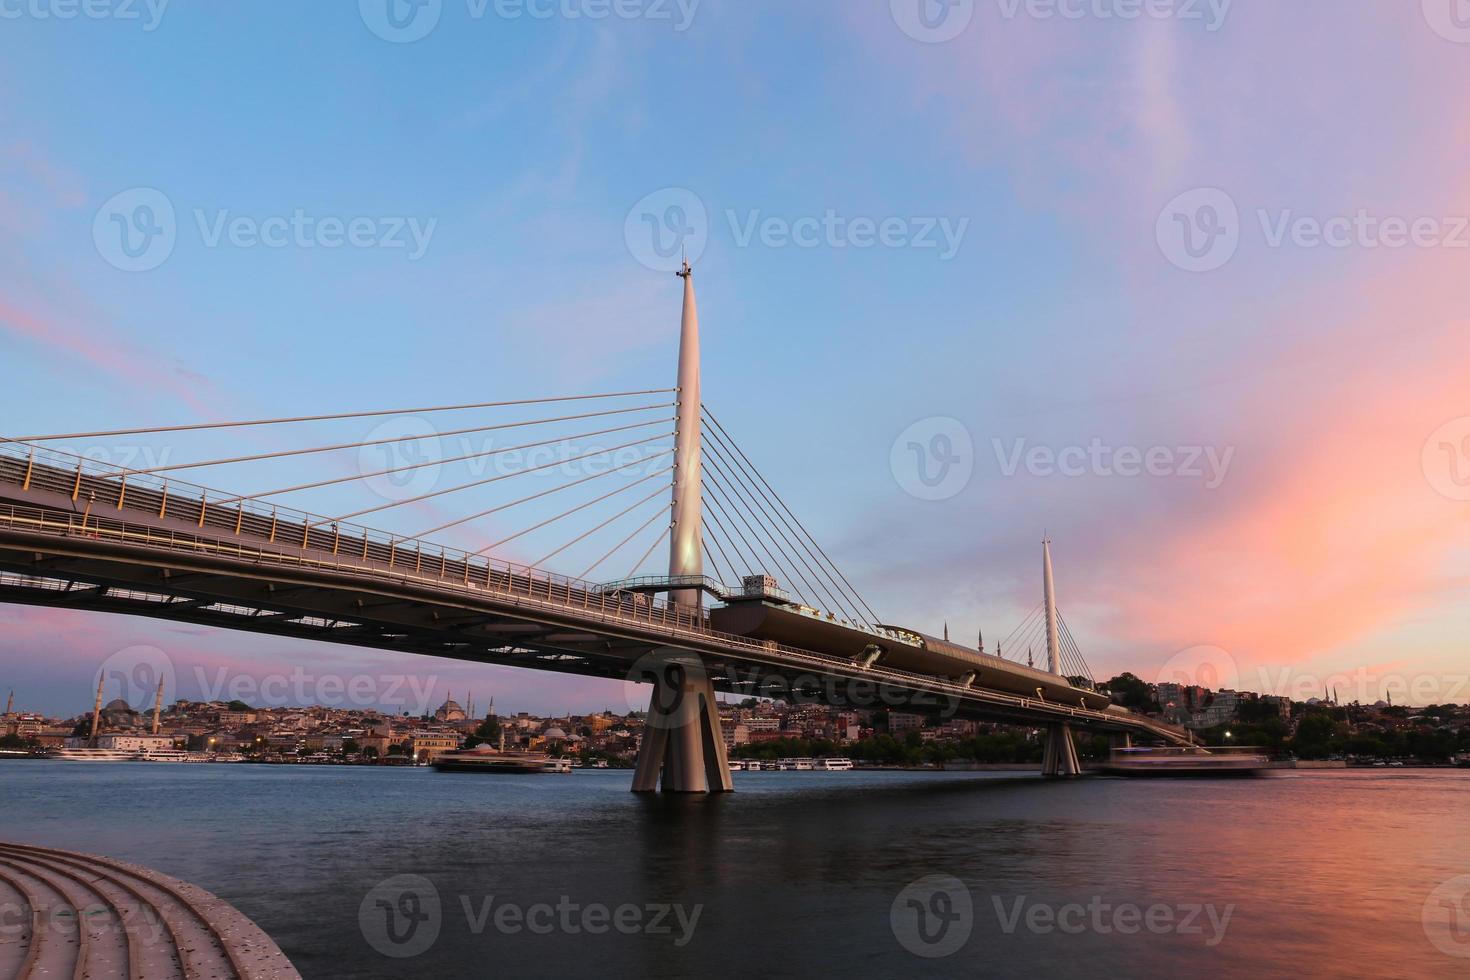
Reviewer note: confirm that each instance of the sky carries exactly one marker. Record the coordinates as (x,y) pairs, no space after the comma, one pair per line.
(1180,285)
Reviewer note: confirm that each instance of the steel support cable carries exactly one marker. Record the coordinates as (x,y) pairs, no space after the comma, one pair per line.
(546,493)
(800,548)
(751,566)
(1009,639)
(328,418)
(588,533)
(1076,649)
(378,442)
(569,513)
(709,556)
(720,461)
(794,575)
(795,580)
(494,479)
(409,467)
(708,536)
(656,542)
(730,441)
(637,531)
(779,566)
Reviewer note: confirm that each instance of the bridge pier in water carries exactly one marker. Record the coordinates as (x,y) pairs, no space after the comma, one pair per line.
(1060,758)
(682,740)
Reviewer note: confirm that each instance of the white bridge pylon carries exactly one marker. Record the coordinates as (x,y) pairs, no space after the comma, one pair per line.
(682,741)
(1060,758)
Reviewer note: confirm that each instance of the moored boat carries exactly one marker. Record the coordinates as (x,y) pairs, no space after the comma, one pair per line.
(508,762)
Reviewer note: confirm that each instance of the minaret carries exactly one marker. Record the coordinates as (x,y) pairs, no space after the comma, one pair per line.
(686,550)
(1053,647)
(10,703)
(157,705)
(97,709)
(980,641)
(946,632)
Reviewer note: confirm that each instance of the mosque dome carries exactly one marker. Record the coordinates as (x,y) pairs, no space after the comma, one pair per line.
(450,710)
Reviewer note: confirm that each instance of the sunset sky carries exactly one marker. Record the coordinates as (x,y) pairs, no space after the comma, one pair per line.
(1232,240)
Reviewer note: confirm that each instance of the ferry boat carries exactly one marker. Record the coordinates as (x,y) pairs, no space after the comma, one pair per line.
(1187,761)
(91,755)
(509,762)
(834,765)
(164,755)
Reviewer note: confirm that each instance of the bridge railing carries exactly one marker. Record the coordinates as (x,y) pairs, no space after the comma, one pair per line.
(100,491)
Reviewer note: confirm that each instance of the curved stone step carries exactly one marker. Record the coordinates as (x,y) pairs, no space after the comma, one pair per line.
(95,917)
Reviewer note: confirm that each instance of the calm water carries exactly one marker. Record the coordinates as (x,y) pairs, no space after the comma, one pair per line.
(795,873)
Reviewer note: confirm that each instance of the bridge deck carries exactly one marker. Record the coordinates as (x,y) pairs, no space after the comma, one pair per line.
(77,537)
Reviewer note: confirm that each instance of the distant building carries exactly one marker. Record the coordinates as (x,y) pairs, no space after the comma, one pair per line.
(427,746)
(135,743)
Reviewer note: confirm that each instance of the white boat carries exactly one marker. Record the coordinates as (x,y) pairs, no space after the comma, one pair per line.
(834,765)
(803,765)
(163,755)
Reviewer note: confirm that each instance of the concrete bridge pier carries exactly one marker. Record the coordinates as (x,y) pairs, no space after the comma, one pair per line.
(1060,759)
(682,741)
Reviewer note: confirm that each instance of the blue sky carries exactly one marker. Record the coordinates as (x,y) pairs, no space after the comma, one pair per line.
(523,149)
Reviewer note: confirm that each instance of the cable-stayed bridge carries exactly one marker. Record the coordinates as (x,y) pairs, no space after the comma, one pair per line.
(747,603)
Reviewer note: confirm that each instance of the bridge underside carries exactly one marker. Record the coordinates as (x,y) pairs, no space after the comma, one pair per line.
(81,572)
